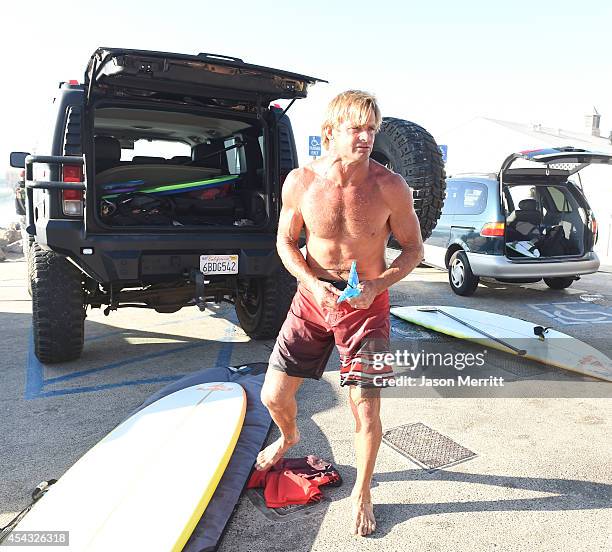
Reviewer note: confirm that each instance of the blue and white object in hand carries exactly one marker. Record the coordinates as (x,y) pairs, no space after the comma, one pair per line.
(351,289)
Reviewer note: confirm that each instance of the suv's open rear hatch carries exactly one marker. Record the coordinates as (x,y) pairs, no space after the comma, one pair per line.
(562,162)
(202,75)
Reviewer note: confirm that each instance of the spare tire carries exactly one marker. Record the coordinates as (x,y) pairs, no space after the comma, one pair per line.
(409,150)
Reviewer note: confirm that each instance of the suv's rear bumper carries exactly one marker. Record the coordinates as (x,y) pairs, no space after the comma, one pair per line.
(147,257)
(498,266)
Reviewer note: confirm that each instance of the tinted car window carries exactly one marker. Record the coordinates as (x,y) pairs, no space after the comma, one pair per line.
(471,199)
(155,148)
(450,199)
(560,199)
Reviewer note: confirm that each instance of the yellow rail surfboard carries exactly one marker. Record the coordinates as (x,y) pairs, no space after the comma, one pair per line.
(147,483)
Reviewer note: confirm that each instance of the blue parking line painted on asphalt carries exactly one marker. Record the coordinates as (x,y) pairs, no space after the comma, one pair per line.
(119,364)
(75,390)
(35,381)
(571,313)
(225,354)
(34,373)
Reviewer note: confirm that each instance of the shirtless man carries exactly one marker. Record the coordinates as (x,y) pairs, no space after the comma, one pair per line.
(348,204)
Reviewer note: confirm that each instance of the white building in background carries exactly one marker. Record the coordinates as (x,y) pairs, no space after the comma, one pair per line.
(482,144)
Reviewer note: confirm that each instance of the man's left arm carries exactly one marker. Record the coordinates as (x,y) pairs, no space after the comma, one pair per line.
(406,230)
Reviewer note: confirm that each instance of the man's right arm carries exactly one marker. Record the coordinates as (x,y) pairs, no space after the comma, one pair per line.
(290,226)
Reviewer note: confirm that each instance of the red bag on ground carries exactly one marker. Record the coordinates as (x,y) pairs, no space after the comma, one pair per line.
(294,481)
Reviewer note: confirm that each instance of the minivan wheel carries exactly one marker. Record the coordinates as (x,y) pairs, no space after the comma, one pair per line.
(559,283)
(460,277)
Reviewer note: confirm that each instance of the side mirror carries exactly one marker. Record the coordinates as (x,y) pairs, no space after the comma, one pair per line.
(18,159)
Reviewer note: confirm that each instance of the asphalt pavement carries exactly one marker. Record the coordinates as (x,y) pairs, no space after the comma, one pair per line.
(539,476)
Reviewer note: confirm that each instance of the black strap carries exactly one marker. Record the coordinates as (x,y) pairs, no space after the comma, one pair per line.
(37,493)
(339,284)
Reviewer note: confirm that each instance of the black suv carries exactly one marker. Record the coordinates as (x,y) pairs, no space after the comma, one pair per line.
(159,231)
(193,217)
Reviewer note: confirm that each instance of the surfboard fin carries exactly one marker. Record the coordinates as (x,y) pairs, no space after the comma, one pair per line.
(540,331)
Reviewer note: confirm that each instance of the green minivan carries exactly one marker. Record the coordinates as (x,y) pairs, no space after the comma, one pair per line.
(530,221)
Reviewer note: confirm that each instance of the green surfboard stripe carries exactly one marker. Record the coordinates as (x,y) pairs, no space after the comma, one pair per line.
(181,186)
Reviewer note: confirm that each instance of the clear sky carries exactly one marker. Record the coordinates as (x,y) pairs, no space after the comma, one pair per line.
(436,63)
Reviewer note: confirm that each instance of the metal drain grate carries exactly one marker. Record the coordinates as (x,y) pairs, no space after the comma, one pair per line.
(519,366)
(426,447)
(523,370)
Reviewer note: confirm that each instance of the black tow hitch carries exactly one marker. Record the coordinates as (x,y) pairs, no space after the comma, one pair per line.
(200,293)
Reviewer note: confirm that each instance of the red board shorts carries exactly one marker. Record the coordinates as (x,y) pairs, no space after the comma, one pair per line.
(307,337)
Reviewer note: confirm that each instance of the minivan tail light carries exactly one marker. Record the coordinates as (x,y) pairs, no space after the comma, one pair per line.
(493,229)
(594,229)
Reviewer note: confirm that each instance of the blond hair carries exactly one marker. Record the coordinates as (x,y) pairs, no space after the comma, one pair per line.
(354,106)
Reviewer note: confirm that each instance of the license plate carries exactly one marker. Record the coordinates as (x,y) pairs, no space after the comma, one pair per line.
(219,264)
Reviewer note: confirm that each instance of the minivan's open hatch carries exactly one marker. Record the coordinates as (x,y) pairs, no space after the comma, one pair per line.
(562,162)
(202,75)
(545,219)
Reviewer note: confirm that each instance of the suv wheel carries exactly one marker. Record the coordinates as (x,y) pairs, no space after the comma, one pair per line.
(462,280)
(559,283)
(262,303)
(58,306)
(409,150)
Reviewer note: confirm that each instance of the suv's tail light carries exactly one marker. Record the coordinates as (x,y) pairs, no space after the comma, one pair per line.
(72,173)
(493,229)
(72,200)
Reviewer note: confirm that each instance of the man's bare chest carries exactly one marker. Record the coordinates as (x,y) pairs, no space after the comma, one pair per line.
(344,212)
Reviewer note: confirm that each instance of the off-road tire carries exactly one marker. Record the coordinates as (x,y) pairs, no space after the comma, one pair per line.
(26,243)
(264,302)
(409,150)
(465,285)
(58,307)
(559,283)
(28,248)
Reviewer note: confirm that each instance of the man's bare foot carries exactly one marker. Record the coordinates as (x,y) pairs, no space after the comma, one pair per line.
(274,452)
(363,517)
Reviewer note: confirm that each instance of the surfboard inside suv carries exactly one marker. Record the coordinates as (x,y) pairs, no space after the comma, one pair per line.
(529,222)
(158,186)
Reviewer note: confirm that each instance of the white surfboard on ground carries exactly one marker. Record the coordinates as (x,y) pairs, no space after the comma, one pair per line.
(555,349)
(147,483)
